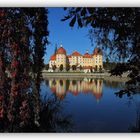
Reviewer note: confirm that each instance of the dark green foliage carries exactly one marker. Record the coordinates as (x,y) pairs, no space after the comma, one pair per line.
(109,65)
(74,67)
(100,69)
(61,67)
(46,66)
(67,67)
(54,67)
(80,67)
(96,68)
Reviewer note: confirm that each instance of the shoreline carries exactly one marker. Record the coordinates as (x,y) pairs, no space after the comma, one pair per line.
(78,75)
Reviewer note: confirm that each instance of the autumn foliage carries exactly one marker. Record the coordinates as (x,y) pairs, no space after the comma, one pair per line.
(22,45)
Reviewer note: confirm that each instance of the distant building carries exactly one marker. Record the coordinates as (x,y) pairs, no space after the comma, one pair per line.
(87,62)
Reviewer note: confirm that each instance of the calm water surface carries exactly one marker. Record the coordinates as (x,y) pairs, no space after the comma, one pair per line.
(93,104)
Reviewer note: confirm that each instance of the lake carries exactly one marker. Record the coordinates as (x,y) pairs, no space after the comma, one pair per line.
(93,105)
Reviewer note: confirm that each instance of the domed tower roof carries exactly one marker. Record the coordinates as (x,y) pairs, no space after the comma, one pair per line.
(76,53)
(53,57)
(87,55)
(61,50)
(97,51)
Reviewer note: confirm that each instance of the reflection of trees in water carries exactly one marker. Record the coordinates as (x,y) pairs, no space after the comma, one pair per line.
(61,83)
(52,117)
(54,82)
(47,82)
(67,84)
(74,82)
(112,84)
(127,92)
(95,82)
(91,81)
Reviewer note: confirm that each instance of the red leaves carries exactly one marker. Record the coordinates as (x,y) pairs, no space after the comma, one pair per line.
(1,112)
(1,106)
(15,89)
(16,52)
(1,64)
(24,112)
(1,60)
(1,97)
(2,13)
(15,46)
(14,74)
(15,64)
(24,104)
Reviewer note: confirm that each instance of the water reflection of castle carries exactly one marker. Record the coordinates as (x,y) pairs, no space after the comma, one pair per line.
(86,86)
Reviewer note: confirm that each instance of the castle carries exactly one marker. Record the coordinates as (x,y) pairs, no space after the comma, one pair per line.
(87,62)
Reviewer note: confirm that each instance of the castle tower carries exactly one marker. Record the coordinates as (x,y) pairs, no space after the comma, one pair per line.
(97,58)
(61,57)
(52,61)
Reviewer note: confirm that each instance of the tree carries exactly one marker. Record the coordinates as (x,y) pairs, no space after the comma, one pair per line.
(61,67)
(24,36)
(74,67)
(124,44)
(67,67)
(54,67)
(91,70)
(109,65)
(100,68)
(47,67)
(80,68)
(96,68)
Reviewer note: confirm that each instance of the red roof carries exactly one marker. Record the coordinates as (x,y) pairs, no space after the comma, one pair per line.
(76,53)
(69,56)
(87,55)
(61,50)
(53,57)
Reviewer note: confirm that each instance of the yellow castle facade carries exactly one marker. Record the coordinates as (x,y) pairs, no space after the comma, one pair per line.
(86,62)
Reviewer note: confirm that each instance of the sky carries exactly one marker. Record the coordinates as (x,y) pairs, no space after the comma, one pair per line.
(72,39)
